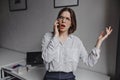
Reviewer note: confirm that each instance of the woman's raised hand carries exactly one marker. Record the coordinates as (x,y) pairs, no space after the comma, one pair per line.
(104,34)
(56,32)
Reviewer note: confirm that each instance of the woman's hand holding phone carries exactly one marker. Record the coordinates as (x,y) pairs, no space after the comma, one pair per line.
(56,31)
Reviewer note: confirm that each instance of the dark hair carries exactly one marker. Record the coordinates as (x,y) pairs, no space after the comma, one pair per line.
(73,19)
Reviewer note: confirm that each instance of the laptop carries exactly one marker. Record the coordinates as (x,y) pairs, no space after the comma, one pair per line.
(34,58)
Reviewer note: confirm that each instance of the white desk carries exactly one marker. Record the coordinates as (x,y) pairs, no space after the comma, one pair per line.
(81,74)
(9,57)
(34,74)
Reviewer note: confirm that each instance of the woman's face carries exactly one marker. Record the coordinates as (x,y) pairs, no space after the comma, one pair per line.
(64,21)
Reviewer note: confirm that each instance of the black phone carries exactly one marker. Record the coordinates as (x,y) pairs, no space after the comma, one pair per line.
(58,23)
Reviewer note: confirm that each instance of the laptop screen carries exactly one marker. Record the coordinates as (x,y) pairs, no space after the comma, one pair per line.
(34,58)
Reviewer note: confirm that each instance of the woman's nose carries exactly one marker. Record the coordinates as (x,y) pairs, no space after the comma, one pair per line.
(64,20)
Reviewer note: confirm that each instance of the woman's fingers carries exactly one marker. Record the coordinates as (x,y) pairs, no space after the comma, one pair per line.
(56,28)
(109,30)
(104,35)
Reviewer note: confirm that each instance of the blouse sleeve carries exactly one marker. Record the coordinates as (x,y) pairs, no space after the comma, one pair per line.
(49,45)
(91,58)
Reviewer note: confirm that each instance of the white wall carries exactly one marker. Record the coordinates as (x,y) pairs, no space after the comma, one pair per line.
(22,30)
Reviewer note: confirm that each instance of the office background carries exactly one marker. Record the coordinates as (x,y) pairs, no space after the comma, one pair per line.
(22,30)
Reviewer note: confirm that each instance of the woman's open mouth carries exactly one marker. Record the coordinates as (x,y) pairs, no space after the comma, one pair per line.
(62,26)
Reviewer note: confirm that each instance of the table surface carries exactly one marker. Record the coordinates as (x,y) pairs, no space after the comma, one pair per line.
(81,74)
(34,74)
(8,57)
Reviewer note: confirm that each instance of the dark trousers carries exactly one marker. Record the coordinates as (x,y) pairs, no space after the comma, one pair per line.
(59,76)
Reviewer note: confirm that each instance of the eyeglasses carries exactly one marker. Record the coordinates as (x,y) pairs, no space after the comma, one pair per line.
(66,18)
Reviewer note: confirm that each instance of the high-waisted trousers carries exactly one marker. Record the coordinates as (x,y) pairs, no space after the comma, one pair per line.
(59,76)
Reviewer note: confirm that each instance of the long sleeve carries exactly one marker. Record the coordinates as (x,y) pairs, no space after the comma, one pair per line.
(49,47)
(89,58)
(65,56)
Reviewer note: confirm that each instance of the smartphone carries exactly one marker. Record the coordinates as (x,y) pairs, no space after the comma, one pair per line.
(58,24)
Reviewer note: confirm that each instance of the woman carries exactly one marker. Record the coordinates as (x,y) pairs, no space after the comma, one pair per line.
(61,50)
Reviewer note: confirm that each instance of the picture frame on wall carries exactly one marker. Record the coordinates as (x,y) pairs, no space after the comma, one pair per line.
(17,5)
(65,3)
